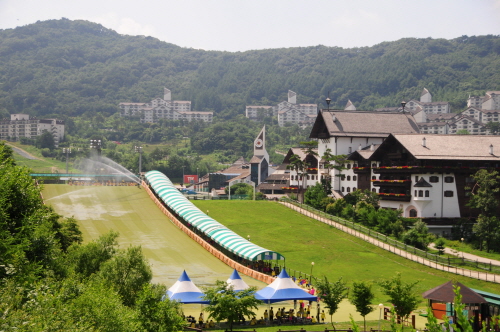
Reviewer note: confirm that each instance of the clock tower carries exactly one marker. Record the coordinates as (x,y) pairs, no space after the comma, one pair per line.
(260,161)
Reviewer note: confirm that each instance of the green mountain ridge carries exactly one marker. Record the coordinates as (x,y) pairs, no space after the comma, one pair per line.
(69,68)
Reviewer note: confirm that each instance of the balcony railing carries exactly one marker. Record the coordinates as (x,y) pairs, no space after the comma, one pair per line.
(392,183)
(423,169)
(394,197)
(359,170)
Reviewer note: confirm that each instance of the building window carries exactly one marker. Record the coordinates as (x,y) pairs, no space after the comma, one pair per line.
(449,179)
(427,193)
(374,165)
(420,193)
(413,213)
(416,178)
(348,166)
(448,193)
(343,189)
(348,189)
(374,177)
(374,190)
(353,188)
(354,178)
(434,179)
(348,178)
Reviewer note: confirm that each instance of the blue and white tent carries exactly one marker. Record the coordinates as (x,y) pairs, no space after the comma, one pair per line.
(185,291)
(283,289)
(236,281)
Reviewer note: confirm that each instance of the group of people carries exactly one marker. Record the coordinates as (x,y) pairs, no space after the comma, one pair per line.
(201,322)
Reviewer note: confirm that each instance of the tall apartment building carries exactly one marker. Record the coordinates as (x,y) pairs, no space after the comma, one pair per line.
(490,101)
(286,111)
(21,125)
(425,104)
(165,108)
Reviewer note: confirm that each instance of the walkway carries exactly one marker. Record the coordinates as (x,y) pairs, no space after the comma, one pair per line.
(452,269)
(466,255)
(22,153)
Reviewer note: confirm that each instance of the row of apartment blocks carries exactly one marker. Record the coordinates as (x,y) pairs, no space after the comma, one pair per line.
(21,125)
(286,112)
(435,117)
(165,108)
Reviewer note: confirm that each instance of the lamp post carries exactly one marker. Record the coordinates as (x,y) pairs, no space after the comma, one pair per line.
(312,265)
(380,306)
(328,101)
(67,151)
(403,104)
(139,149)
(183,175)
(462,247)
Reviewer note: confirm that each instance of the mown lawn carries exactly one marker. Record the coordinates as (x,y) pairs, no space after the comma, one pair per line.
(303,240)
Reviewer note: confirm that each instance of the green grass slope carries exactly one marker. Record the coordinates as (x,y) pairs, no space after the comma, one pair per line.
(133,214)
(303,240)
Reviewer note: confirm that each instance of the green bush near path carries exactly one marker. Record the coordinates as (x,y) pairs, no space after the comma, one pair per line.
(303,240)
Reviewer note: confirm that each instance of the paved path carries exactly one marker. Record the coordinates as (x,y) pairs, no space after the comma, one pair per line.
(452,269)
(22,152)
(466,255)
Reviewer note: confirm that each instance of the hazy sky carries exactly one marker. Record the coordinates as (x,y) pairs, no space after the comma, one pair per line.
(239,25)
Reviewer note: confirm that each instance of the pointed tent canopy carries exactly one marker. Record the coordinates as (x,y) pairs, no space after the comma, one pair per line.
(185,291)
(283,289)
(236,281)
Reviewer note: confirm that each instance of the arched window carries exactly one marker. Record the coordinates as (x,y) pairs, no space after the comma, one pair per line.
(348,189)
(374,190)
(427,193)
(353,188)
(354,177)
(348,178)
(348,166)
(420,193)
(343,189)
(374,177)
(413,213)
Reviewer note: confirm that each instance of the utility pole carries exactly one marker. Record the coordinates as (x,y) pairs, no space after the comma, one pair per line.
(139,149)
(67,151)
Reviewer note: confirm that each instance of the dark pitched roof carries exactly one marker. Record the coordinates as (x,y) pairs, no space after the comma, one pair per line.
(422,183)
(444,293)
(362,124)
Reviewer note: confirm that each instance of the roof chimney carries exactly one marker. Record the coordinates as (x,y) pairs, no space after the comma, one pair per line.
(424,144)
(334,118)
(491,149)
(372,147)
(359,147)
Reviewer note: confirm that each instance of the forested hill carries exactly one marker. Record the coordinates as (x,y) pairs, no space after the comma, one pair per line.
(72,67)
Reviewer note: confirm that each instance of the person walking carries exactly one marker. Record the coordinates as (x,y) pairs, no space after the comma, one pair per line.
(323,316)
(271,314)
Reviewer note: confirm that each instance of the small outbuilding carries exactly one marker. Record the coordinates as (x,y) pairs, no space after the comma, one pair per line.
(441,299)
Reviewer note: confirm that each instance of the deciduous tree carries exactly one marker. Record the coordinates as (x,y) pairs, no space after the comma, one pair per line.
(332,294)
(227,304)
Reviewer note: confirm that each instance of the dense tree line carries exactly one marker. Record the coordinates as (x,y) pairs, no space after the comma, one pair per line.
(50,281)
(68,67)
